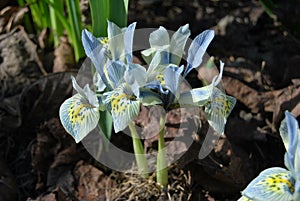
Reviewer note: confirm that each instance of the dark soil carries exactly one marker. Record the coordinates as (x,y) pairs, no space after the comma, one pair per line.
(40,161)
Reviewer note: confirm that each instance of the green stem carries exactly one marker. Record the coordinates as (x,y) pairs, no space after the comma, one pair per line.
(140,156)
(162,170)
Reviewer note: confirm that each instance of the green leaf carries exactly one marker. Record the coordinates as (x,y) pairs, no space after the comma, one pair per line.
(56,26)
(99,14)
(118,12)
(74,17)
(268,6)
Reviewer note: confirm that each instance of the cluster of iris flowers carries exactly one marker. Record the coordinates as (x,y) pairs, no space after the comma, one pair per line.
(121,86)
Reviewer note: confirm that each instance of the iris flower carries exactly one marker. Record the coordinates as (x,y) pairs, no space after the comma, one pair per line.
(121,86)
(80,113)
(278,183)
(166,75)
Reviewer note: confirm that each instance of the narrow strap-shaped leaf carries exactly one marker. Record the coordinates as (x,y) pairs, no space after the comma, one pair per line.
(99,14)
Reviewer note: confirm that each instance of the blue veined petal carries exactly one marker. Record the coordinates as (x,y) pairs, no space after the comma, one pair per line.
(172,78)
(78,117)
(124,107)
(177,44)
(270,185)
(197,50)
(93,49)
(90,42)
(115,72)
(128,41)
(289,134)
(116,41)
(136,77)
(218,110)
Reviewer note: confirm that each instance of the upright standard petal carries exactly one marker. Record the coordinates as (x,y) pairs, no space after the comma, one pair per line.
(115,73)
(159,38)
(177,44)
(159,42)
(197,50)
(78,117)
(271,184)
(90,42)
(116,41)
(93,49)
(128,41)
(172,78)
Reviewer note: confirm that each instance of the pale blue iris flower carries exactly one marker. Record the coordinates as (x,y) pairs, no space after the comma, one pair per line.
(166,76)
(115,71)
(217,104)
(111,57)
(278,183)
(117,47)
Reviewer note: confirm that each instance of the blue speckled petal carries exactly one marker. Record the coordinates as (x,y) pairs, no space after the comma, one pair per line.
(78,117)
(270,185)
(197,50)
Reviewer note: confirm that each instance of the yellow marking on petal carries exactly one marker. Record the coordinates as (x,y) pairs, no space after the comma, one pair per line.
(273,183)
(161,79)
(224,103)
(120,102)
(76,114)
(244,199)
(104,40)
